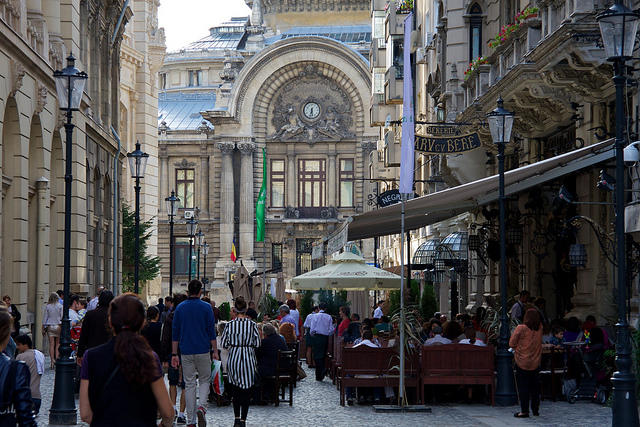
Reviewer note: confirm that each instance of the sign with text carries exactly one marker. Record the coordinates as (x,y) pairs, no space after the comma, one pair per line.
(388,198)
(447,144)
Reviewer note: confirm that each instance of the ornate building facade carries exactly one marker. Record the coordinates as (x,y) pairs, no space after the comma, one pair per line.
(288,80)
(36,37)
(552,73)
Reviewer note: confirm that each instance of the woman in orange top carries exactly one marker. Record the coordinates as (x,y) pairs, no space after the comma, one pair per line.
(527,343)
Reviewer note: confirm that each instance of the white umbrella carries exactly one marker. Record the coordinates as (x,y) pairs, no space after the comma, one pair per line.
(347,271)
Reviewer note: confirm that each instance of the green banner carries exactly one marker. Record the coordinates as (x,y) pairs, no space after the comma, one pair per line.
(447,144)
(262,197)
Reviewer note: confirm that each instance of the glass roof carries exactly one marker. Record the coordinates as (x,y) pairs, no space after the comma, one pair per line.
(181,111)
(426,252)
(348,34)
(458,242)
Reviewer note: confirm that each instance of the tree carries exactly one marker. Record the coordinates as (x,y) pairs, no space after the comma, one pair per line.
(428,303)
(149,266)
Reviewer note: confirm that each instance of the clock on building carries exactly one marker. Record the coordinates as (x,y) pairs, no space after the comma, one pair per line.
(311,110)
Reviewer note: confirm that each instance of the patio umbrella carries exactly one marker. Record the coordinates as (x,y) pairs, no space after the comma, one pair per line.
(347,271)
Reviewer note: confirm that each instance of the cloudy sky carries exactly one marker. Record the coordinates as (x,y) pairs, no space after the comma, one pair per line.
(185,21)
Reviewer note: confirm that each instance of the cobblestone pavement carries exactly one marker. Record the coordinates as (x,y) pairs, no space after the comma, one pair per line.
(318,404)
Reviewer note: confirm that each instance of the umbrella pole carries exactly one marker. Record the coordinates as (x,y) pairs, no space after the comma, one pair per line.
(401,391)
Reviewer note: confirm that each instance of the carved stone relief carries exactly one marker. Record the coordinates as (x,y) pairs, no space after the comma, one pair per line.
(328,115)
(17,74)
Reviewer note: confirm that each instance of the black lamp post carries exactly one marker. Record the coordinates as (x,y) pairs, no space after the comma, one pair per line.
(205,252)
(192,224)
(70,84)
(618,26)
(137,165)
(199,242)
(173,203)
(500,124)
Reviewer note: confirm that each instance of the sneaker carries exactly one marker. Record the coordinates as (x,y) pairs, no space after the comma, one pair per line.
(181,419)
(201,414)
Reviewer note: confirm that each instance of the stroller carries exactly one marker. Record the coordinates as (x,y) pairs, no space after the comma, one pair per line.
(588,379)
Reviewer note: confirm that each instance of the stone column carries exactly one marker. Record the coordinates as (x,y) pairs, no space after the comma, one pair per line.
(164,181)
(291,183)
(331,179)
(42,253)
(247,212)
(226,199)
(204,182)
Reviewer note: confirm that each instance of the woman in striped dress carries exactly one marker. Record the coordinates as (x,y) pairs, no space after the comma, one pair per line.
(241,338)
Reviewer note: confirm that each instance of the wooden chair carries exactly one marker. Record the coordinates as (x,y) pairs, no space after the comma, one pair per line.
(286,373)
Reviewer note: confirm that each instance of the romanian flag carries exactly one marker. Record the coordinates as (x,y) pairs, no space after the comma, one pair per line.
(233,250)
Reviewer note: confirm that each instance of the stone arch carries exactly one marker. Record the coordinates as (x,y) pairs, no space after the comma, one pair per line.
(285,52)
(56,212)
(14,204)
(287,73)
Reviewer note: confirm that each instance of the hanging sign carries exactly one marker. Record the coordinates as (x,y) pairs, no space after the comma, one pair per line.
(338,241)
(447,144)
(388,198)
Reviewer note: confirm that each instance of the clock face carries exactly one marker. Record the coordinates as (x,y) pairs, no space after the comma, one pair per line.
(311,110)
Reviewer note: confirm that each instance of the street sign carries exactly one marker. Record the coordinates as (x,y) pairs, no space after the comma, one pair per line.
(447,145)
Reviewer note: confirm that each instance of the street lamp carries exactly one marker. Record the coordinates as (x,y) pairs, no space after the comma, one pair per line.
(199,242)
(192,224)
(70,84)
(137,165)
(205,252)
(618,26)
(173,204)
(500,124)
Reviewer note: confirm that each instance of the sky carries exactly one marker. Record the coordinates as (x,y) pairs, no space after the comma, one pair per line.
(185,21)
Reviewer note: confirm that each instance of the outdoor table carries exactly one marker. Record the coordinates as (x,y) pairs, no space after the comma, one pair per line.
(555,361)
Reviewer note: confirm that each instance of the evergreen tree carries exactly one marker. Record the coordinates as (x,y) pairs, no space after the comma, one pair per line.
(149,266)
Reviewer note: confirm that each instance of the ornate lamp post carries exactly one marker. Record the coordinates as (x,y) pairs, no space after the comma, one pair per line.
(137,165)
(205,252)
(192,224)
(173,203)
(199,242)
(70,84)
(618,26)
(500,124)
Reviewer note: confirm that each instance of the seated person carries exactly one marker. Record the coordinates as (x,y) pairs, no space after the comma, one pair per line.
(353,331)
(470,334)
(267,353)
(367,340)
(374,340)
(383,324)
(557,334)
(572,332)
(288,332)
(452,331)
(590,323)
(437,338)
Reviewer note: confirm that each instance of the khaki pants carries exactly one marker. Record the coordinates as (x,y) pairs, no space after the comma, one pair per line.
(192,365)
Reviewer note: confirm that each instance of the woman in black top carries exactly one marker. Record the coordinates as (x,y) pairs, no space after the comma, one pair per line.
(153,329)
(121,381)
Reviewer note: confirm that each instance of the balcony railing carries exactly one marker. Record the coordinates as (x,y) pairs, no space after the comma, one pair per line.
(322,212)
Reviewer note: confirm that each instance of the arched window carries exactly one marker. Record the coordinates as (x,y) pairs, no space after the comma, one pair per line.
(475,32)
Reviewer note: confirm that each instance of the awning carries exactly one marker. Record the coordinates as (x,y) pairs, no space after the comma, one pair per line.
(441,205)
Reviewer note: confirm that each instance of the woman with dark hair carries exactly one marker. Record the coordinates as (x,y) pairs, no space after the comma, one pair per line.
(153,329)
(344,324)
(452,330)
(242,338)
(526,340)
(15,381)
(121,381)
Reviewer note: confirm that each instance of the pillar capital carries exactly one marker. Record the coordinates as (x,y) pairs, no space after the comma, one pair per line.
(247,147)
(226,147)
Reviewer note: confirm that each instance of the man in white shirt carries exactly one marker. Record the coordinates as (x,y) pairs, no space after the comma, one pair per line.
(94,301)
(308,338)
(367,336)
(74,306)
(321,326)
(438,338)
(377,313)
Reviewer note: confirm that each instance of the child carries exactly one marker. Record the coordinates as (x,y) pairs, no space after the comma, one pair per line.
(83,309)
(35,361)
(557,335)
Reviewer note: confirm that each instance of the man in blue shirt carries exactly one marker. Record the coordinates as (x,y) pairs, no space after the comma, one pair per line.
(194,331)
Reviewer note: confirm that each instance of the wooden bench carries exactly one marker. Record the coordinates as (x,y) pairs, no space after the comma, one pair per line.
(457,364)
(375,367)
